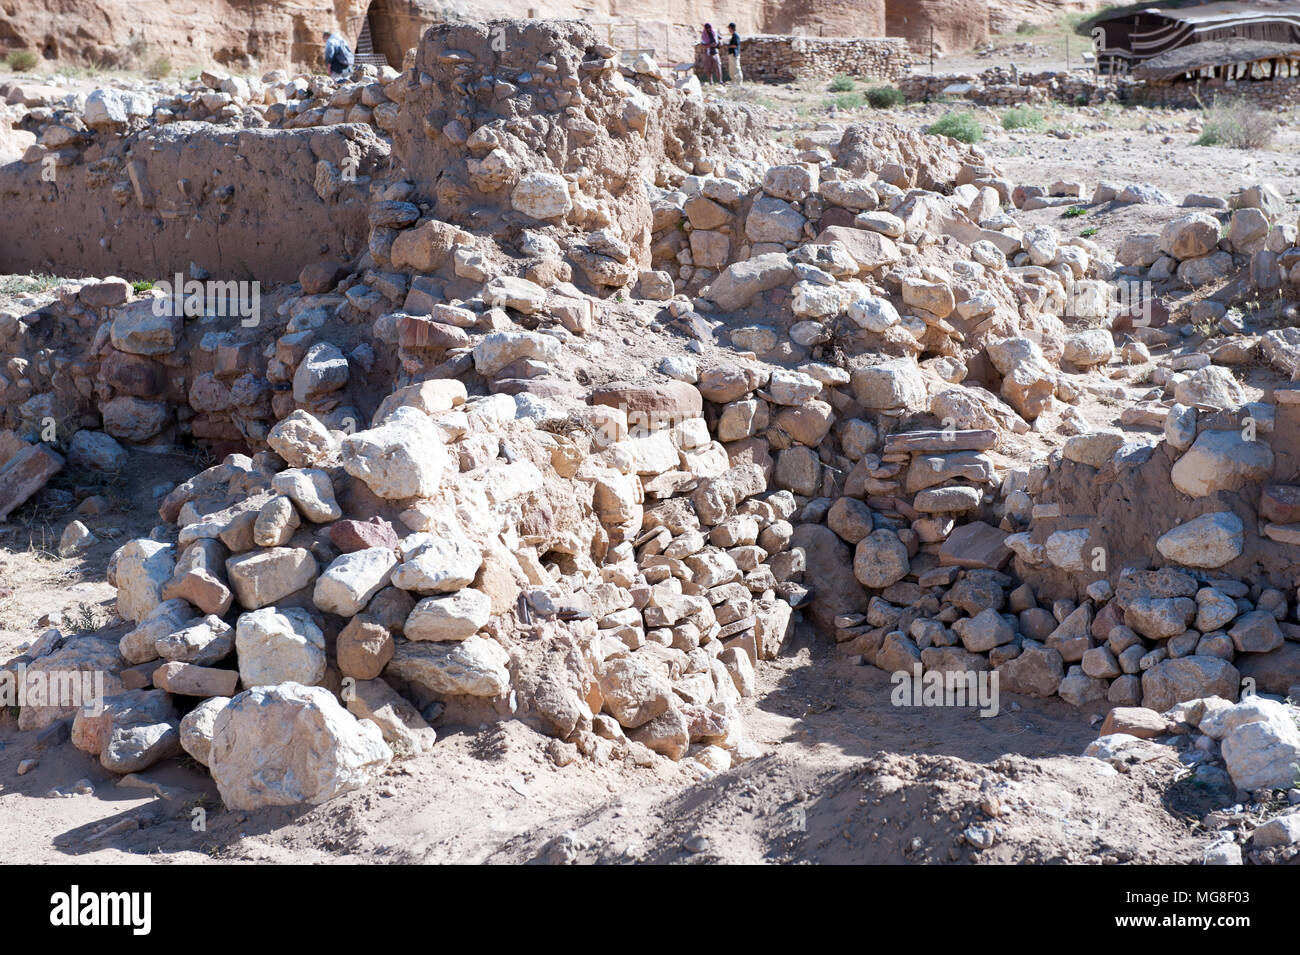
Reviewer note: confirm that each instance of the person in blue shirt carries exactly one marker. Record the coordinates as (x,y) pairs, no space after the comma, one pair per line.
(338,55)
(733,56)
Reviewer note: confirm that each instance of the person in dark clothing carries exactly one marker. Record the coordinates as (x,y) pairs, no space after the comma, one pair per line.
(733,56)
(338,55)
(712,61)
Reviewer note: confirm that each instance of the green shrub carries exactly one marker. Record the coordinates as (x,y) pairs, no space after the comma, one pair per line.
(848,101)
(963,127)
(31,284)
(159,69)
(1088,232)
(841,84)
(1074,212)
(885,97)
(141,285)
(1022,117)
(21,61)
(1238,124)
(1025,28)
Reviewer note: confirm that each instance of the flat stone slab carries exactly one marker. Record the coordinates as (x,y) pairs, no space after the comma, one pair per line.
(975,545)
(972,440)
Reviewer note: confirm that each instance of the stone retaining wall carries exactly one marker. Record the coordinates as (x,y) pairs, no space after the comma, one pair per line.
(1001,87)
(783,59)
(1278,94)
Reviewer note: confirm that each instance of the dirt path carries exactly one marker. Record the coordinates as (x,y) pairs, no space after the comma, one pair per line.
(845,777)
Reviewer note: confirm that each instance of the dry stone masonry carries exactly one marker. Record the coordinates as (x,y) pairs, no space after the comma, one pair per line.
(782,59)
(603,395)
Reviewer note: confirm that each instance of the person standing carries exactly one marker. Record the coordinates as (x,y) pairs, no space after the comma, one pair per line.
(338,55)
(733,55)
(712,58)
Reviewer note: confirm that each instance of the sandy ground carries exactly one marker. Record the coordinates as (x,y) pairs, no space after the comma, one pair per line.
(845,776)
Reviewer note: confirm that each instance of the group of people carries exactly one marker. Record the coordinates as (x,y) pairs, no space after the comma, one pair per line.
(712,44)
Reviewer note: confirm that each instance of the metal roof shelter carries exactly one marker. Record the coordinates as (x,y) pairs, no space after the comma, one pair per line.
(1127,37)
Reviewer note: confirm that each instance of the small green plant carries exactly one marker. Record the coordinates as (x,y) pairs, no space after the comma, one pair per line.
(1081,99)
(22,61)
(1025,28)
(841,84)
(1088,232)
(85,619)
(884,97)
(848,101)
(159,69)
(141,285)
(1074,212)
(1022,117)
(28,284)
(1237,124)
(963,127)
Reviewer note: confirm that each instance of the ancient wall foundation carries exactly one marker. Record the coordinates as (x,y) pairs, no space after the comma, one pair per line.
(782,59)
(240,204)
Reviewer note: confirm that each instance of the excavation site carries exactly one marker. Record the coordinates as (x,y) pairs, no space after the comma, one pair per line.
(554,436)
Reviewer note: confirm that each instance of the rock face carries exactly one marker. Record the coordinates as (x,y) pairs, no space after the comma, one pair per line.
(951,24)
(289,744)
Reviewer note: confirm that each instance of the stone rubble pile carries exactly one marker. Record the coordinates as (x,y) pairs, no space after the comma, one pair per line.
(65,124)
(1241,751)
(440,502)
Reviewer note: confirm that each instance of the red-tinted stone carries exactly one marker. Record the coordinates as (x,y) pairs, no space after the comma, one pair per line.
(24,474)
(416,332)
(132,375)
(321,276)
(1280,504)
(349,536)
(975,545)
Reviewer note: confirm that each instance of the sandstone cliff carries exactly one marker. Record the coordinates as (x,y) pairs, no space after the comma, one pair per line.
(251,35)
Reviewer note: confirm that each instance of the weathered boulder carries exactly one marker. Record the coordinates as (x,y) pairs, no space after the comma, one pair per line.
(1210,540)
(262,577)
(1221,461)
(1188,678)
(290,744)
(634,692)
(352,579)
(472,667)
(457,616)
(1262,749)
(198,725)
(403,457)
(279,646)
